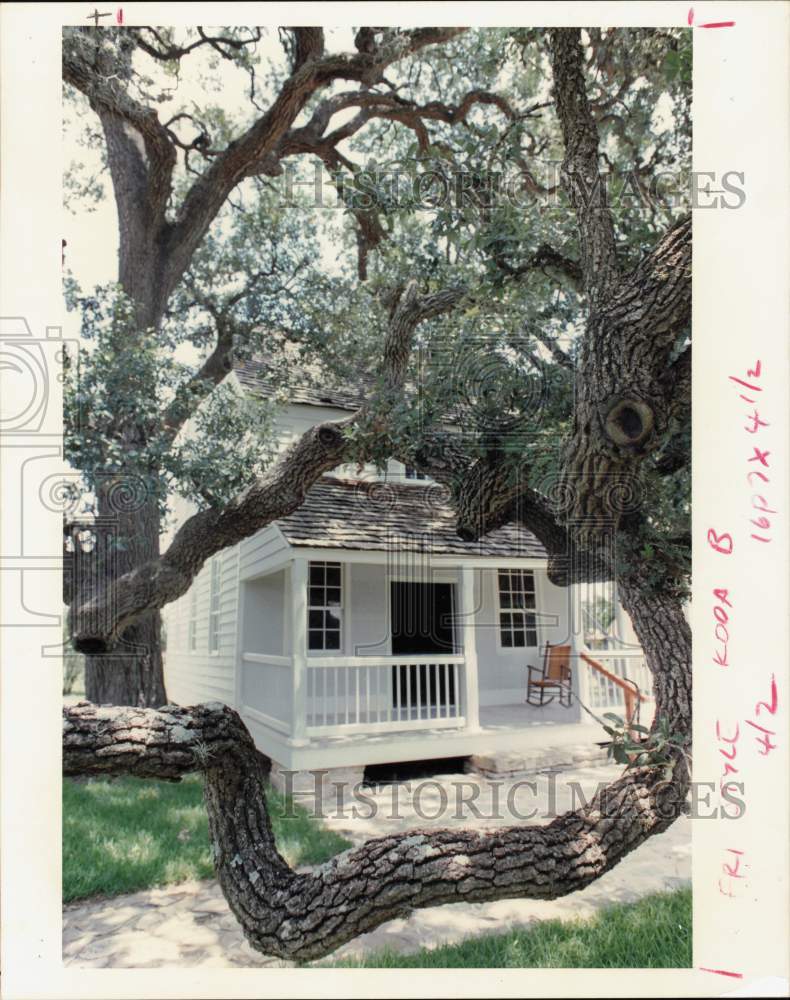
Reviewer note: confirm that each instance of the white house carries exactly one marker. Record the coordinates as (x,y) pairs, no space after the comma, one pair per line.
(361,630)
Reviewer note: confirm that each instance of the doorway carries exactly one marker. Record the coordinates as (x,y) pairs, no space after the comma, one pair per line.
(422,616)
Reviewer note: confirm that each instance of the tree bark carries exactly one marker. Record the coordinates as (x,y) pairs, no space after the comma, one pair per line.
(126,537)
(132,678)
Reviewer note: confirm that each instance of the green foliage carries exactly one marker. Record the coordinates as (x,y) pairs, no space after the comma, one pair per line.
(130,834)
(636,746)
(652,933)
(472,204)
(115,395)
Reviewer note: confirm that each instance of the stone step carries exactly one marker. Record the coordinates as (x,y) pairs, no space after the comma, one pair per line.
(507,762)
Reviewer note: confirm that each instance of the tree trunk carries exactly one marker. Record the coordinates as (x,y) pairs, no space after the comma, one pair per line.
(131,672)
(665,636)
(120,678)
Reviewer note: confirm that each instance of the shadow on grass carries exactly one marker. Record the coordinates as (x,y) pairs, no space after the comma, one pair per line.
(130,834)
(653,933)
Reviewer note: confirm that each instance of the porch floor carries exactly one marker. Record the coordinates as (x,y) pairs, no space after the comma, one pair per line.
(502,727)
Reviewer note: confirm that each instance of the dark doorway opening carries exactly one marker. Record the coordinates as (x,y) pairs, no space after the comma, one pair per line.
(422,625)
(422,619)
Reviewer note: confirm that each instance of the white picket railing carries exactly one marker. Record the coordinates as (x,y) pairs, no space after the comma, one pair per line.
(600,693)
(379,694)
(356,693)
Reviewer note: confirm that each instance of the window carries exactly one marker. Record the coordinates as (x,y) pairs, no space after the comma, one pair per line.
(192,625)
(412,473)
(324,606)
(213,606)
(517,623)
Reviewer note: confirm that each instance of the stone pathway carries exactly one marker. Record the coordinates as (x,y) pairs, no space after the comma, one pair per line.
(190,924)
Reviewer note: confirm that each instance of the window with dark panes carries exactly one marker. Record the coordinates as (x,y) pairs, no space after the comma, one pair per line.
(517,623)
(324,606)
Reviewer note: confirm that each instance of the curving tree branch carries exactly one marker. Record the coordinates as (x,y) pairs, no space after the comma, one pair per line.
(307,916)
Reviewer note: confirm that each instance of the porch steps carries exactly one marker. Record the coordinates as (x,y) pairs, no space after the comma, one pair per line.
(502,763)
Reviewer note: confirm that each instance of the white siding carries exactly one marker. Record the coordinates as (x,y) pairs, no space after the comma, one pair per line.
(367,611)
(203,676)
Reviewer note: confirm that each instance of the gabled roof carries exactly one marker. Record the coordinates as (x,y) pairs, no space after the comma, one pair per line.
(378,516)
(261,377)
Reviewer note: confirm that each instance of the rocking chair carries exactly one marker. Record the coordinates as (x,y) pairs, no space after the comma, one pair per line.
(553,678)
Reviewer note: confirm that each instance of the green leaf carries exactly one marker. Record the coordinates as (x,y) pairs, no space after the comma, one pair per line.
(620,755)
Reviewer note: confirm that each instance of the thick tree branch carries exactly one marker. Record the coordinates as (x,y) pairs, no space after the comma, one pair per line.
(545,259)
(306,916)
(140,152)
(202,383)
(580,176)
(259,144)
(99,64)
(308,45)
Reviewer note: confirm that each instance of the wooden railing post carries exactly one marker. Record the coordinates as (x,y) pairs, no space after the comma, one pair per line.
(471,693)
(630,695)
(582,676)
(299,650)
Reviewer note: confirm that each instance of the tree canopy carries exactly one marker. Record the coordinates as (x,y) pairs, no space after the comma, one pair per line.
(443,167)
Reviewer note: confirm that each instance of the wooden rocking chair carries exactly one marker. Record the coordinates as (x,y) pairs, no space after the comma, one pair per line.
(553,678)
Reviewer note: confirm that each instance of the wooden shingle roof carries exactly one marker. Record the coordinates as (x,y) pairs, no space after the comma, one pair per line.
(383,516)
(261,378)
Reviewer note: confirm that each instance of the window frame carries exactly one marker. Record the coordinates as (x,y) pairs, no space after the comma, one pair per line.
(214,593)
(529,616)
(325,608)
(192,619)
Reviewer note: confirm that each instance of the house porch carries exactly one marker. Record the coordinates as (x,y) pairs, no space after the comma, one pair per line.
(367,703)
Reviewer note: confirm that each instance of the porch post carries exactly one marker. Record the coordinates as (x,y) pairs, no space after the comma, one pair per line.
(577,646)
(299,649)
(468,608)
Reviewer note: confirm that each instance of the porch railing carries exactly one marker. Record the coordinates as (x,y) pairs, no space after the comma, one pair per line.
(356,693)
(372,694)
(616,679)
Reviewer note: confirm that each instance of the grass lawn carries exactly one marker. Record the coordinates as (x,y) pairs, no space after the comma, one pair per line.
(131,834)
(653,933)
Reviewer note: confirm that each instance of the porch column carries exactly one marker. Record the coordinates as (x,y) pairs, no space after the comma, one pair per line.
(577,647)
(299,650)
(468,608)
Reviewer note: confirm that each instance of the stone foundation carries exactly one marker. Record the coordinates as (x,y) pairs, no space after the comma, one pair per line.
(510,762)
(330,786)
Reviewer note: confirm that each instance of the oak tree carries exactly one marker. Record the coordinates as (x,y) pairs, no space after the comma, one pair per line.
(579,429)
